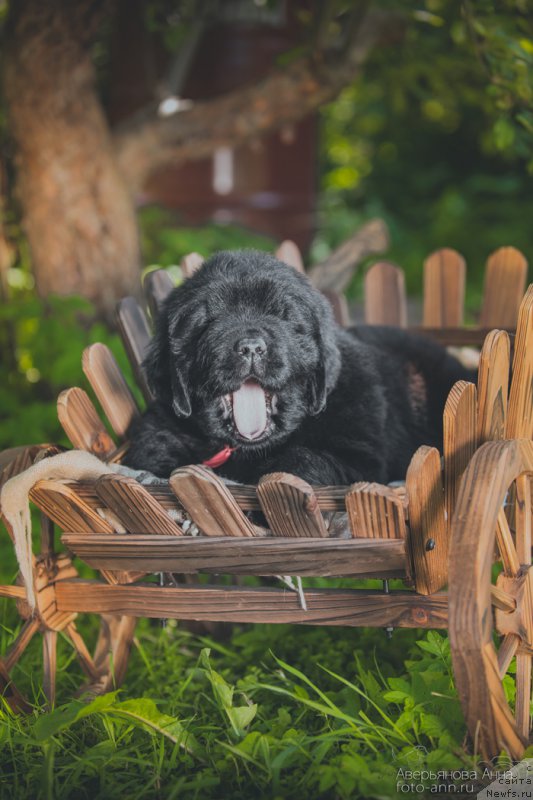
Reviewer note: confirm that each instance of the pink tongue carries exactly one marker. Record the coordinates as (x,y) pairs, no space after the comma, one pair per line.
(249,410)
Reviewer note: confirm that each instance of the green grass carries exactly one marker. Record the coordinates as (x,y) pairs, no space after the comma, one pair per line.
(268,712)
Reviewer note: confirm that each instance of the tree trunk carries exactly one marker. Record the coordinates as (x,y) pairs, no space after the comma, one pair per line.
(78,214)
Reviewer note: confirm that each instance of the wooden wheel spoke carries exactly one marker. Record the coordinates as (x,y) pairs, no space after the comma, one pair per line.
(84,657)
(523,693)
(506,653)
(502,599)
(506,546)
(21,642)
(15,592)
(10,693)
(524,514)
(49,665)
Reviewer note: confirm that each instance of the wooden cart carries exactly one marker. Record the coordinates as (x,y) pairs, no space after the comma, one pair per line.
(475,504)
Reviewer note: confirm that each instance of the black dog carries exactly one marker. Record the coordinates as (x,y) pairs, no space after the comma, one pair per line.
(247,360)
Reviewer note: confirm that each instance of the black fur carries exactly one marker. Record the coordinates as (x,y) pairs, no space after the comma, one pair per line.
(351,404)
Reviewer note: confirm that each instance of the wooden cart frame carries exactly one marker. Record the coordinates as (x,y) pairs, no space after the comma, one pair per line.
(456,518)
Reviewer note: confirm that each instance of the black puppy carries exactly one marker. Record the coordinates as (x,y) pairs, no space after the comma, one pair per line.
(248,365)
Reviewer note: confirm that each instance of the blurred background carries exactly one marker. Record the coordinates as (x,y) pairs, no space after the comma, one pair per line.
(134,132)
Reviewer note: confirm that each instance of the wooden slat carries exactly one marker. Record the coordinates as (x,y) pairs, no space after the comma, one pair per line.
(329,498)
(81,423)
(493,387)
(61,503)
(507,651)
(11,694)
(523,693)
(110,387)
(339,306)
(14,592)
(17,459)
(290,506)
(385,299)
(502,599)
(362,558)
(506,545)
(134,506)
(524,515)
(49,665)
(520,411)
(375,511)
(136,335)
(64,507)
(112,649)
(209,503)
(236,604)
(459,337)
(460,438)
(428,536)
(289,253)
(84,657)
(505,281)
(444,289)
(190,263)
(157,286)
(29,629)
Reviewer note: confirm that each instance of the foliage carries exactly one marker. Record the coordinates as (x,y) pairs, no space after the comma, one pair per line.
(436,137)
(41,343)
(334,714)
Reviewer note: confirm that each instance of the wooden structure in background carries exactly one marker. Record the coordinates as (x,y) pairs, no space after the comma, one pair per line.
(448,527)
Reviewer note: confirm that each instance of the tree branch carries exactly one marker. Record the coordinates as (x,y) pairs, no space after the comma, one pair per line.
(337,270)
(146,144)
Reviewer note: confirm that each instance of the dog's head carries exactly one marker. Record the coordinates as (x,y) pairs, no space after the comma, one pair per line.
(247,347)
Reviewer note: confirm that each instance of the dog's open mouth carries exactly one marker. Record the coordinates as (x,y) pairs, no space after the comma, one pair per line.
(250,409)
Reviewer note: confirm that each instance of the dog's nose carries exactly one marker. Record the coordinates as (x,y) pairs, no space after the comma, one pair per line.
(251,347)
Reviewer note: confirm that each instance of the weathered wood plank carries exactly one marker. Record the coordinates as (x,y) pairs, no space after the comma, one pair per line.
(138,511)
(62,504)
(289,253)
(330,498)
(80,421)
(428,536)
(339,306)
(136,335)
(460,438)
(444,289)
(505,281)
(375,511)
(11,694)
(363,558)
(520,409)
(459,337)
(493,387)
(290,506)
(67,509)
(385,299)
(157,286)
(235,604)
(110,387)
(49,665)
(209,503)
(190,263)
(29,629)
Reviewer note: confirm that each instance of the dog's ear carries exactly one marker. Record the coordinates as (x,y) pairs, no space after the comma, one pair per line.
(329,365)
(165,365)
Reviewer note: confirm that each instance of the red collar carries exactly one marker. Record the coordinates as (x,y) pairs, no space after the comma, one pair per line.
(219,458)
